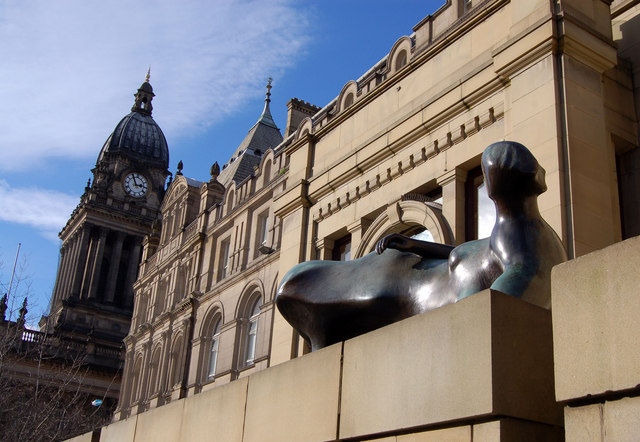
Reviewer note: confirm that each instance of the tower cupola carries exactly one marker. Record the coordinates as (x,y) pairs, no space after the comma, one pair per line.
(144,96)
(137,135)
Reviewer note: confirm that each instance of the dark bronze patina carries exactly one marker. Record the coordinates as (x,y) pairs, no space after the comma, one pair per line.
(329,301)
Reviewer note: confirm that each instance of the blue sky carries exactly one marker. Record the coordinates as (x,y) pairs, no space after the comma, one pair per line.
(70,67)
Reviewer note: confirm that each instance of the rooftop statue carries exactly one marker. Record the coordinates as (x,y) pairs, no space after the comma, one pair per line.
(330,301)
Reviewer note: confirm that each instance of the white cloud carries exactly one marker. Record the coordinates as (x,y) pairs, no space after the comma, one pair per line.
(69,68)
(45,210)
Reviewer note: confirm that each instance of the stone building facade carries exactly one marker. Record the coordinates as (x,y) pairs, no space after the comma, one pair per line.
(398,150)
(204,296)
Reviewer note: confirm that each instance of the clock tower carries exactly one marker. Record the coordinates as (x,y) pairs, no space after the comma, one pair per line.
(102,241)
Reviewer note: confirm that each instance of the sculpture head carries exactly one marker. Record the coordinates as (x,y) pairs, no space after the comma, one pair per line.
(510,169)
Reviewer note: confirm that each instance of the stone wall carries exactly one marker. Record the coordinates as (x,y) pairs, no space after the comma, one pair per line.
(488,368)
(596,332)
(480,369)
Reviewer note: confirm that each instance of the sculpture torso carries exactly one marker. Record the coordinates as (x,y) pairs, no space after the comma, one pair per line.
(329,301)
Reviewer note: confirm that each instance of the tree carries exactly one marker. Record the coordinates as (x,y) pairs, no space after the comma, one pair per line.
(47,381)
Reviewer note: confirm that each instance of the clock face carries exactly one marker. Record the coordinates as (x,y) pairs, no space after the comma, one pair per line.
(135,184)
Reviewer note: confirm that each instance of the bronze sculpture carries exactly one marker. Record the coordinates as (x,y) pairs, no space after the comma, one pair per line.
(330,301)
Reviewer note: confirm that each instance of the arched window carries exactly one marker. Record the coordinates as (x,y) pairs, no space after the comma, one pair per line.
(175,362)
(267,173)
(401,60)
(251,332)
(135,385)
(154,380)
(230,202)
(223,262)
(348,101)
(213,349)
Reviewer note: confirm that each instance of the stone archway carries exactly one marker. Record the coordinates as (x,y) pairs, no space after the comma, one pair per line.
(402,215)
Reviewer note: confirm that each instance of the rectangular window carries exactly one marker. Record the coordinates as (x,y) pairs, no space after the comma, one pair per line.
(213,358)
(262,229)
(251,337)
(628,174)
(213,353)
(251,341)
(223,270)
(342,249)
(480,209)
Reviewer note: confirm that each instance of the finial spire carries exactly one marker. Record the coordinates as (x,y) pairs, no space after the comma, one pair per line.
(215,171)
(266,117)
(148,75)
(268,99)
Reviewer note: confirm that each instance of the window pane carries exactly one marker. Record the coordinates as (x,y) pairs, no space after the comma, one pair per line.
(251,340)
(213,357)
(213,354)
(345,252)
(425,235)
(264,224)
(486,213)
(252,333)
(342,249)
(224,259)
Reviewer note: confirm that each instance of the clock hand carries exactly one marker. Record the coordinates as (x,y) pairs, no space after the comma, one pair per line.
(135,181)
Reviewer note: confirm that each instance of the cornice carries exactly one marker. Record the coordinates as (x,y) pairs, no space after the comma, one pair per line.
(293,198)
(372,181)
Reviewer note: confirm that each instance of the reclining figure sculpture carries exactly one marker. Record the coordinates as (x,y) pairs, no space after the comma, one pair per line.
(331,301)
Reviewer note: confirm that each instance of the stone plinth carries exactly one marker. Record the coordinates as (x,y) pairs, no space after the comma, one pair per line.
(121,431)
(488,355)
(596,322)
(596,331)
(221,408)
(297,400)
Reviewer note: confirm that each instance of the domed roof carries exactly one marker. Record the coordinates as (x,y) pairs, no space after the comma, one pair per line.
(137,134)
(141,136)
(146,86)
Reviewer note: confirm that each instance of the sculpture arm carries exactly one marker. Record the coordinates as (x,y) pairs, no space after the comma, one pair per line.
(403,243)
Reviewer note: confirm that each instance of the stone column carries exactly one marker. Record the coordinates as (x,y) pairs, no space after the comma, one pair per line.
(114,267)
(124,401)
(67,267)
(134,261)
(58,287)
(184,359)
(125,394)
(81,261)
(97,263)
(355,229)
(73,265)
(91,254)
(144,372)
(163,380)
(326,248)
(453,201)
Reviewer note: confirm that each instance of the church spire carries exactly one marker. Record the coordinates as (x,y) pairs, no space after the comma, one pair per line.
(266,117)
(144,96)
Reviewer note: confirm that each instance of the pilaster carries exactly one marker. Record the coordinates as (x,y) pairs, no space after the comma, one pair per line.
(97,263)
(114,267)
(453,201)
